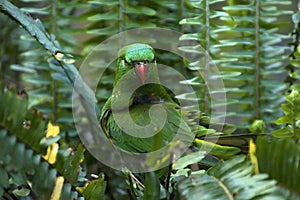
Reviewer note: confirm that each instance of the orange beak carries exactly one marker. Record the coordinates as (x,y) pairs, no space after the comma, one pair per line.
(141,71)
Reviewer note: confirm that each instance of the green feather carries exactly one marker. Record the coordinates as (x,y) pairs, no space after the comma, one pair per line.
(136,52)
(140,103)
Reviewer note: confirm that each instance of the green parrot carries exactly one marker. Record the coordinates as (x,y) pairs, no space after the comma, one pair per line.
(143,116)
(126,116)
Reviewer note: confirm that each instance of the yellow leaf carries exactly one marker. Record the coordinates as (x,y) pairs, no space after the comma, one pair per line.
(52,130)
(59,183)
(51,153)
(253,158)
(52,150)
(81,189)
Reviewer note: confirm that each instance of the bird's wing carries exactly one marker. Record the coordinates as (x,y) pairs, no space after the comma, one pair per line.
(139,113)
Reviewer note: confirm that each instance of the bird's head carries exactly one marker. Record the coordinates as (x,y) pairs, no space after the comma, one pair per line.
(138,57)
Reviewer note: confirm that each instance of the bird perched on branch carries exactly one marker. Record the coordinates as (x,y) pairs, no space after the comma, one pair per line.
(143,116)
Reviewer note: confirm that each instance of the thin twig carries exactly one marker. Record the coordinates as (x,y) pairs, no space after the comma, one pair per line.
(169,173)
(137,180)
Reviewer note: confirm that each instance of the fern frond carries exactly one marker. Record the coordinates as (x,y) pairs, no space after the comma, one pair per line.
(232,179)
(244,41)
(29,126)
(18,175)
(280,158)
